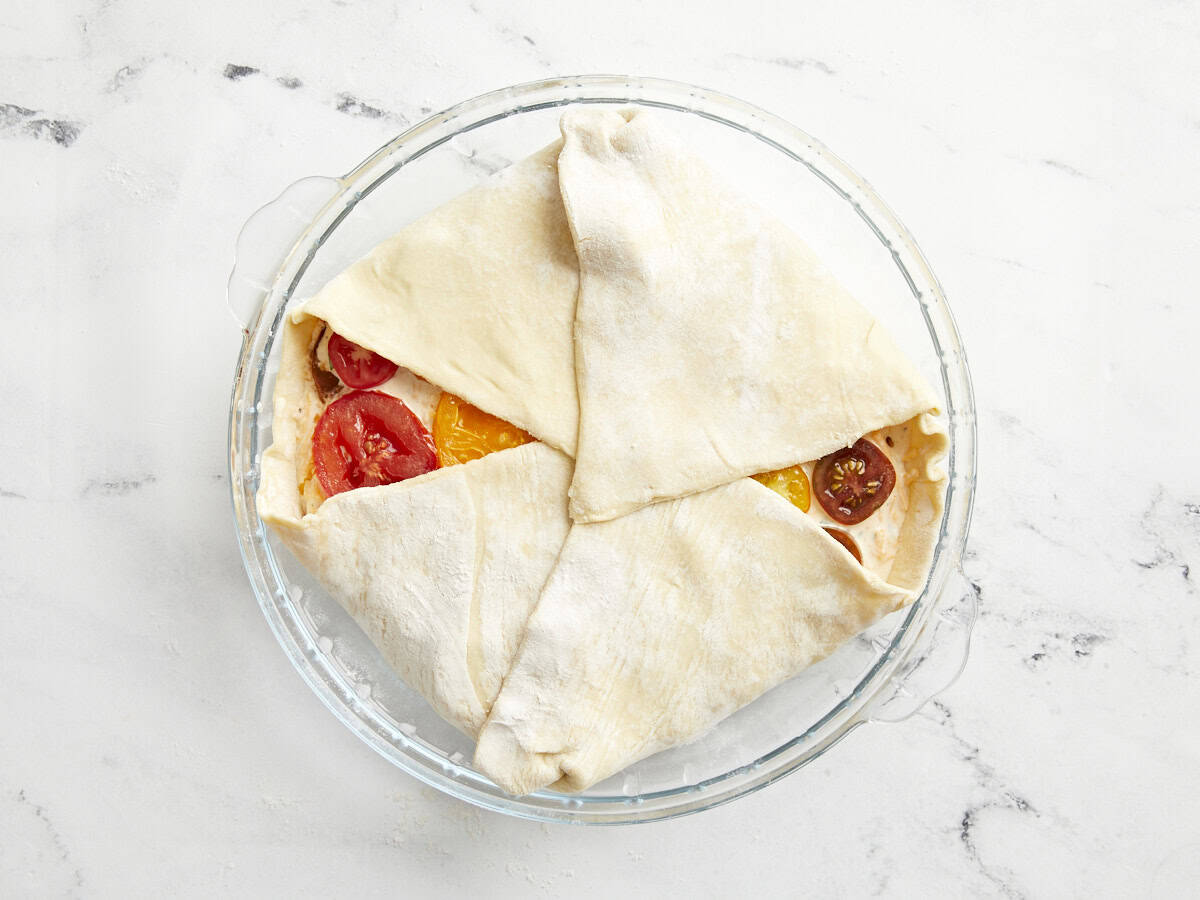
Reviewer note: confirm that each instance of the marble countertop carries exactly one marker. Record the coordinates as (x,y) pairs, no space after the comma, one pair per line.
(158,741)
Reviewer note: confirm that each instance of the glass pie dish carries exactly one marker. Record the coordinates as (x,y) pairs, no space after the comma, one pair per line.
(318,226)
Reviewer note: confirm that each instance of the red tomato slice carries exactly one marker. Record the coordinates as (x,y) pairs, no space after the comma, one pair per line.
(357,366)
(366,439)
(853,482)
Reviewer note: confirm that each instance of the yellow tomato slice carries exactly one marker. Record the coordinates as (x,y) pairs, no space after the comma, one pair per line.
(462,432)
(791,483)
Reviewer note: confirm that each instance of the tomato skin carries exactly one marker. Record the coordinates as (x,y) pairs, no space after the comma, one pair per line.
(357,366)
(853,482)
(367,439)
(845,540)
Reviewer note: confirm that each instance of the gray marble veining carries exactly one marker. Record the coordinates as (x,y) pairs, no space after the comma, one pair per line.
(1043,154)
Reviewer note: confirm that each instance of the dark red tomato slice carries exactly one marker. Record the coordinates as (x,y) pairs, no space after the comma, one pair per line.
(357,366)
(846,541)
(366,439)
(853,482)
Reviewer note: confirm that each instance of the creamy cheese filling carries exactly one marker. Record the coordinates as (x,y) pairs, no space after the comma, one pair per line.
(418,394)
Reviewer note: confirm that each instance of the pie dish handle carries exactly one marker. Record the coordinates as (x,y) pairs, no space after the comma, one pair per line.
(938,657)
(268,239)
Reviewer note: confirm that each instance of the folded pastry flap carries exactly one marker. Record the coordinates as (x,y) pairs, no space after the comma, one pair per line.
(521,524)
(921,528)
(440,571)
(711,343)
(477,297)
(656,625)
(401,560)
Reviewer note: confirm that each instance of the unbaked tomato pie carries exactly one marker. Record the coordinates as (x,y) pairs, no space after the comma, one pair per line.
(598,452)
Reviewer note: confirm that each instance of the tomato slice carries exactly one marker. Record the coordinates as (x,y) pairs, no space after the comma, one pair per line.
(853,482)
(357,366)
(846,541)
(790,483)
(365,439)
(462,432)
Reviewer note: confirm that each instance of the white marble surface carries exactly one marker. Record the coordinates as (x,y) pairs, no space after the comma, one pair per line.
(156,739)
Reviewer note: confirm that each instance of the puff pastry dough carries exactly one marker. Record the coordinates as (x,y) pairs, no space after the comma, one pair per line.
(440,571)
(612,297)
(477,297)
(658,624)
(710,342)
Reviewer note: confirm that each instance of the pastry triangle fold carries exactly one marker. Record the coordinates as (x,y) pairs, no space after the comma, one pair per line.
(478,297)
(656,625)
(710,342)
(440,571)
